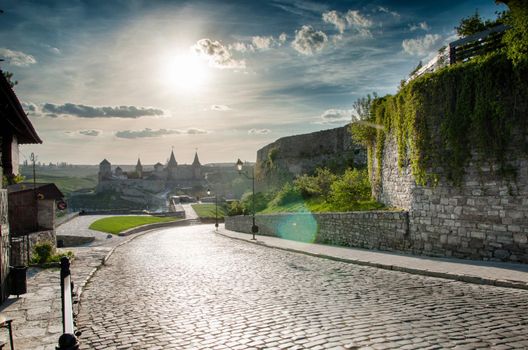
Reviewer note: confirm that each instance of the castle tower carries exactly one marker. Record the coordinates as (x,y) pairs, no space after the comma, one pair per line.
(171,167)
(196,167)
(139,169)
(105,170)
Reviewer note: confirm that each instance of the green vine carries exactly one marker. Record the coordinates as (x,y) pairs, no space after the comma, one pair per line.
(439,119)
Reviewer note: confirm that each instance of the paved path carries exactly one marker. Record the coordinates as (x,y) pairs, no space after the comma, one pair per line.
(187,288)
(190,213)
(480,272)
(78,226)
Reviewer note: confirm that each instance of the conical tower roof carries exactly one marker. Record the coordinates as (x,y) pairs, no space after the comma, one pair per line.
(104,162)
(138,163)
(196,161)
(172,161)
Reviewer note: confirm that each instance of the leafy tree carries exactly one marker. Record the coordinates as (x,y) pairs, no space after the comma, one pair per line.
(9,78)
(317,185)
(416,69)
(362,130)
(287,194)
(350,188)
(474,24)
(516,38)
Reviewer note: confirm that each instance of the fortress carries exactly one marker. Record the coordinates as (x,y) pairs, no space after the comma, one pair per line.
(142,186)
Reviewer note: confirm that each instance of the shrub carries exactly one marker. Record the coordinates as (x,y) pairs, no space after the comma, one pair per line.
(350,188)
(316,185)
(235,208)
(44,254)
(287,194)
(261,202)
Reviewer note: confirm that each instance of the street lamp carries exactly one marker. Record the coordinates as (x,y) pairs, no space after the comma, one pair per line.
(239,164)
(216,208)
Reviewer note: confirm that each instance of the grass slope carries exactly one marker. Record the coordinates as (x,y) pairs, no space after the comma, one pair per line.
(207,210)
(116,224)
(319,206)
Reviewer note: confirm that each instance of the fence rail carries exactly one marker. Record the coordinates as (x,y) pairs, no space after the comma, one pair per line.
(68,340)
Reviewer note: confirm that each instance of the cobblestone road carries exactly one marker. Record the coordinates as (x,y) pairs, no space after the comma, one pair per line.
(186,288)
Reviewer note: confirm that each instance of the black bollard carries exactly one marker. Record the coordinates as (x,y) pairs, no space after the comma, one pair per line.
(68,342)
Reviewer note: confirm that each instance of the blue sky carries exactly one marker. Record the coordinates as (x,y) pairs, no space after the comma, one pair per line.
(122,79)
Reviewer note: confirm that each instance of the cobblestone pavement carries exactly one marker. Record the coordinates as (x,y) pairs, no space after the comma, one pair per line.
(186,288)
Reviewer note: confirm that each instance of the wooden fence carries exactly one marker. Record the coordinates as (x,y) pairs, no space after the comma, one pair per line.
(476,45)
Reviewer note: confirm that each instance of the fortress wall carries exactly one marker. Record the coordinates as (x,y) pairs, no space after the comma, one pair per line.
(290,156)
(486,217)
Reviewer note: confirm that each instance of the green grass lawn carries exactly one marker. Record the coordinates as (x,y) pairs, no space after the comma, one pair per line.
(319,206)
(207,210)
(65,183)
(116,224)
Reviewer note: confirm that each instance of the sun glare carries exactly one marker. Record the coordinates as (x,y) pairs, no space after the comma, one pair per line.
(184,72)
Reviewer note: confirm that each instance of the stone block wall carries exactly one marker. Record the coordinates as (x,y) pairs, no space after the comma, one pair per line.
(19,245)
(485,217)
(373,230)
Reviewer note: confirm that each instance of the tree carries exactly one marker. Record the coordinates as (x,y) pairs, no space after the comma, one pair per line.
(9,78)
(362,130)
(474,24)
(516,38)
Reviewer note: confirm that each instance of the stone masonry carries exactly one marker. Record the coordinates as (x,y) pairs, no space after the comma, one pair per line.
(486,217)
(382,230)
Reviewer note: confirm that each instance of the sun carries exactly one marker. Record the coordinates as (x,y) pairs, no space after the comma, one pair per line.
(185,72)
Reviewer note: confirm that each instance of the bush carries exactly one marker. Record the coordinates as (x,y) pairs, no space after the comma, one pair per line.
(352,187)
(261,202)
(235,208)
(44,254)
(316,185)
(287,194)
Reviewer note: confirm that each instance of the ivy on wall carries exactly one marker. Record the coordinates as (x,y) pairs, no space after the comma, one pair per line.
(439,119)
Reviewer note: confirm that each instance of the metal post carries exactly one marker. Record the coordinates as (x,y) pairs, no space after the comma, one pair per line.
(216,211)
(253,228)
(67,341)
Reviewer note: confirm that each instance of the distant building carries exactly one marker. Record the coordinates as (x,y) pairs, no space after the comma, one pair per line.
(163,176)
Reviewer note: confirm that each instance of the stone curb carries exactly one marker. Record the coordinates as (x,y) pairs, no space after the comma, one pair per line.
(451,276)
(152,226)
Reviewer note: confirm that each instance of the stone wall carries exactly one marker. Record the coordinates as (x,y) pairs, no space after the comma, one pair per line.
(19,245)
(486,217)
(373,230)
(290,156)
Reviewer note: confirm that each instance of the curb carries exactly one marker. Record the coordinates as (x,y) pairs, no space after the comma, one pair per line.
(445,275)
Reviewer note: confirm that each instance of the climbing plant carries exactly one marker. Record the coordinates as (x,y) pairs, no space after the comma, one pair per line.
(439,119)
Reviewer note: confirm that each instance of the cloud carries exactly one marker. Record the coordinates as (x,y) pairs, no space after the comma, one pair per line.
(309,41)
(337,115)
(263,42)
(17,58)
(147,132)
(421,46)
(283,37)
(333,17)
(386,10)
(29,107)
(220,108)
(422,25)
(241,47)
(359,22)
(83,111)
(259,131)
(217,54)
(89,132)
(351,19)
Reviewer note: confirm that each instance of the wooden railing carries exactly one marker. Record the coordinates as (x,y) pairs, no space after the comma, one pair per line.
(476,45)
(464,49)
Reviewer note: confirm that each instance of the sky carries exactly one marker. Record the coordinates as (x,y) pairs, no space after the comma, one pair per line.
(137,78)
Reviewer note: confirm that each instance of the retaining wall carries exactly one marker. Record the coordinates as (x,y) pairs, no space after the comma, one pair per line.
(373,230)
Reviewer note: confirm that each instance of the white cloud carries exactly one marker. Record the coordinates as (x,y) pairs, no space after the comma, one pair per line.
(17,58)
(422,25)
(421,46)
(359,22)
(259,131)
(309,41)
(386,10)
(337,116)
(351,19)
(283,37)
(147,132)
(262,42)
(217,54)
(241,47)
(333,17)
(220,108)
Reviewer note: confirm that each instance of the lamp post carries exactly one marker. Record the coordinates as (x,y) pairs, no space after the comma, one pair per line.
(239,164)
(216,208)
